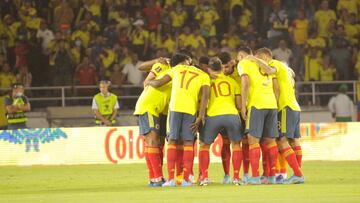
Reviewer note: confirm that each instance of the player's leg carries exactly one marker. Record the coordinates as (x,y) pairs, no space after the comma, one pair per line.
(174,122)
(188,137)
(163,127)
(270,135)
(254,128)
(265,162)
(179,161)
(149,128)
(295,142)
(233,126)
(246,160)
(208,134)
(225,156)
(288,132)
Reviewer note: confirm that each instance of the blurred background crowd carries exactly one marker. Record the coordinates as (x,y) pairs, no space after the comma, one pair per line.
(78,42)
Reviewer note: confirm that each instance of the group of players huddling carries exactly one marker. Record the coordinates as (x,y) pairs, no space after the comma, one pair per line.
(250,101)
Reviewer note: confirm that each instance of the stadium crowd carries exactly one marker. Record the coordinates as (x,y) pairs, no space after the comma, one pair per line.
(53,42)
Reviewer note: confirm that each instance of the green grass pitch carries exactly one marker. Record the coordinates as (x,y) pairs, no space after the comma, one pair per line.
(325,182)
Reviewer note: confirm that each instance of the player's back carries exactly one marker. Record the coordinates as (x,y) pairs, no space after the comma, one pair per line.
(155,100)
(186,85)
(286,85)
(261,92)
(222,96)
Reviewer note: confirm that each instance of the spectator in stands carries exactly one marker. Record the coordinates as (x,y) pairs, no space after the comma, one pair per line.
(299,35)
(312,65)
(63,15)
(341,56)
(140,39)
(105,105)
(16,106)
(206,17)
(63,65)
(7,78)
(24,76)
(178,17)
(131,71)
(279,24)
(341,106)
(323,17)
(45,36)
(85,73)
(152,14)
(283,53)
(21,51)
(117,79)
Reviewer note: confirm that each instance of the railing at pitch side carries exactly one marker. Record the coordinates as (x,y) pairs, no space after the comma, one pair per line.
(310,90)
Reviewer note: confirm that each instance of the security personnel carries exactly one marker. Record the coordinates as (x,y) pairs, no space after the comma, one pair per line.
(105,105)
(16,106)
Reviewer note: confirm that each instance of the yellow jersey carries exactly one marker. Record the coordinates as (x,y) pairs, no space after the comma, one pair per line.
(155,100)
(287,90)
(300,30)
(327,74)
(222,96)
(261,92)
(186,85)
(322,19)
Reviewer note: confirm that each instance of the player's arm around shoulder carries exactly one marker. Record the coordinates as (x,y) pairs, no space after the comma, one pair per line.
(160,82)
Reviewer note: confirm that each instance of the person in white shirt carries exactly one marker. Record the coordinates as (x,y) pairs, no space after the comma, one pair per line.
(131,71)
(45,35)
(341,106)
(283,53)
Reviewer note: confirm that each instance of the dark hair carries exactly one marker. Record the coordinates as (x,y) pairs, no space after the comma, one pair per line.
(186,52)
(178,58)
(215,64)
(265,51)
(245,49)
(204,60)
(225,57)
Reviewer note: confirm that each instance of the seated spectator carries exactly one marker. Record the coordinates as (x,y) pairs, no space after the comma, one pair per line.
(131,71)
(24,76)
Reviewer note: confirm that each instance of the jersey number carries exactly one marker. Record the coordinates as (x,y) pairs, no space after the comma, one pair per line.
(219,91)
(183,75)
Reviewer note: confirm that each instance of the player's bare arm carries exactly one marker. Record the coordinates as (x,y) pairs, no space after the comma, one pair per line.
(276,88)
(238,102)
(160,82)
(245,84)
(146,66)
(263,65)
(150,76)
(205,90)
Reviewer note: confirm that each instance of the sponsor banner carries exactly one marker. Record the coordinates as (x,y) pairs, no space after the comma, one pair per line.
(120,145)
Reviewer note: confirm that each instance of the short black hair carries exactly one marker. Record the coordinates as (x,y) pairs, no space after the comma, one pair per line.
(245,49)
(204,60)
(215,64)
(178,58)
(225,57)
